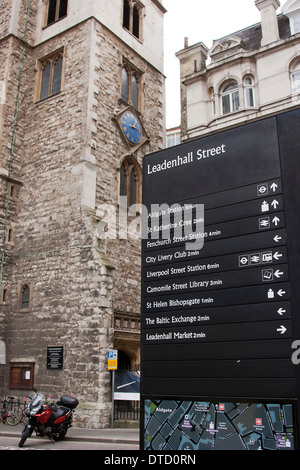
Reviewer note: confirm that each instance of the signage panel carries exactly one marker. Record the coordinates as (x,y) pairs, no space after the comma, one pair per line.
(55,357)
(112,359)
(233,314)
(219,315)
(234,167)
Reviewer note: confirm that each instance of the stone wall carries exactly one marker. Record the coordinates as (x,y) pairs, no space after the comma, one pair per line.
(76,283)
(125,254)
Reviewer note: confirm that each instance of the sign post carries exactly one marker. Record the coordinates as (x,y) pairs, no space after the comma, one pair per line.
(220,291)
(112,365)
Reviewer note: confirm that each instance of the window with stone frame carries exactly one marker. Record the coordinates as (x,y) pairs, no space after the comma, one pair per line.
(24,297)
(132,17)
(57,9)
(131,86)
(249,91)
(295,76)
(51,69)
(230,97)
(13,193)
(295,22)
(130,182)
(4,295)
(10,235)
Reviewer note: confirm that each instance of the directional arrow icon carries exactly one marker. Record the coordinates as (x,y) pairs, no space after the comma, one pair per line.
(281,311)
(282,329)
(281,292)
(274,204)
(278,273)
(277,255)
(275,221)
(274,186)
(277,238)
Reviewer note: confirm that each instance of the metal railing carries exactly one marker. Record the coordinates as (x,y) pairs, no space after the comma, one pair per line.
(127,410)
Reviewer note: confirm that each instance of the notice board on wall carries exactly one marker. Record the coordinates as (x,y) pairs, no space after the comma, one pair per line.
(220,296)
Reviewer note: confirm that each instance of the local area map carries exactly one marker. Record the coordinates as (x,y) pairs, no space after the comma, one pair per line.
(195,425)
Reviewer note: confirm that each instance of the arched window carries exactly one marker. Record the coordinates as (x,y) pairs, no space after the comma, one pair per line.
(136,21)
(57,9)
(51,79)
(25,297)
(130,86)
(132,17)
(213,101)
(123,180)
(126,14)
(249,92)
(295,76)
(57,71)
(46,69)
(135,91)
(230,97)
(125,85)
(130,182)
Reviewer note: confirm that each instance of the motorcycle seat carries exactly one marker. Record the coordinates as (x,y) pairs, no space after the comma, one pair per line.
(61,411)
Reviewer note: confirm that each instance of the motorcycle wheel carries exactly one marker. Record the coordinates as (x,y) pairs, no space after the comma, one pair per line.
(27,433)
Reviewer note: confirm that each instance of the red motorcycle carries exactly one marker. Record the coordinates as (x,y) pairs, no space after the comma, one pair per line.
(48,419)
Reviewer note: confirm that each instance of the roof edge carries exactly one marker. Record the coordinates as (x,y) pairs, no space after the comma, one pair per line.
(160,5)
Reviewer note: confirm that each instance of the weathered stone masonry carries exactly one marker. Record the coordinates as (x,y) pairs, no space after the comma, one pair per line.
(66,161)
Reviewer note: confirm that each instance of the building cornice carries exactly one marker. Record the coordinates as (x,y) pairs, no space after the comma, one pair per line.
(240,57)
(242,116)
(159,5)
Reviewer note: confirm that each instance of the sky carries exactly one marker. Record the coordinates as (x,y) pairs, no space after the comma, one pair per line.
(200,21)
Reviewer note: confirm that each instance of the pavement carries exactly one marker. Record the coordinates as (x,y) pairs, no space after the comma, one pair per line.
(110,435)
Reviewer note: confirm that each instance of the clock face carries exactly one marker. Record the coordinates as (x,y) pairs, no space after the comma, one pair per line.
(131,127)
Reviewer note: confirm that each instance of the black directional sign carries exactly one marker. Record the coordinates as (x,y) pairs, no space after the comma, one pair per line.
(220,295)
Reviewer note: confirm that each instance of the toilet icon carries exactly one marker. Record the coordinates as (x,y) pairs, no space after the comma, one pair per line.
(270,294)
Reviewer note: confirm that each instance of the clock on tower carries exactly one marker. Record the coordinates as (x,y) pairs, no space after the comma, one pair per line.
(131,127)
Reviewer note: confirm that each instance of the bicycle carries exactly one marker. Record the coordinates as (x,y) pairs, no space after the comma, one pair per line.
(3,415)
(11,412)
(24,405)
(3,411)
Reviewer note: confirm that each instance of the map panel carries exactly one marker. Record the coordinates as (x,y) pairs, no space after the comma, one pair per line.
(207,425)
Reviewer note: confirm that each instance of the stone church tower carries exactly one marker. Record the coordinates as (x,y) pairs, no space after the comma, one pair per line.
(82,101)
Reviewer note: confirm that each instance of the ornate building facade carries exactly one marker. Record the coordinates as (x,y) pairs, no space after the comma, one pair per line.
(82,101)
(247,75)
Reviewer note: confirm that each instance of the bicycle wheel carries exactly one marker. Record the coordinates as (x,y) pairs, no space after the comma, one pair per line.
(15,415)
